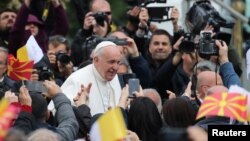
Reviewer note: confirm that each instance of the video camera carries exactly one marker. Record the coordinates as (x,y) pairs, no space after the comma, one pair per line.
(206,46)
(63,58)
(156,13)
(202,13)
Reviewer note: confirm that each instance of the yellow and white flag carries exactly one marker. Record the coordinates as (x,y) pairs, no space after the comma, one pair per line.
(109,127)
(30,51)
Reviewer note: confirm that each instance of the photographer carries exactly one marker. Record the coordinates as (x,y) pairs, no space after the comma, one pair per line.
(59,57)
(202,15)
(96,22)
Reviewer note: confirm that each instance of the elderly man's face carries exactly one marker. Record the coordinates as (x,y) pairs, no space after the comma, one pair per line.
(107,64)
(160,47)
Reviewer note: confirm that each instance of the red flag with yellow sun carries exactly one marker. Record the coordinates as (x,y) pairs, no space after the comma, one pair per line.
(231,105)
(19,70)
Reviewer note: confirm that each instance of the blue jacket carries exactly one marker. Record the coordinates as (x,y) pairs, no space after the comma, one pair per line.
(229,77)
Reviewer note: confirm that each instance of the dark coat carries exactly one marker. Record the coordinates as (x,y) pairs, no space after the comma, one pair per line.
(19,36)
(6,85)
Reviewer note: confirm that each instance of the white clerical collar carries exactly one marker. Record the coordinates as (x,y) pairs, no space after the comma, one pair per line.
(97,74)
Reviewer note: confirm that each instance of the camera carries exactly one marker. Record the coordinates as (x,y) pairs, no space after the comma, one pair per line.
(63,58)
(187,44)
(202,13)
(143,2)
(92,41)
(44,73)
(100,17)
(207,46)
(159,14)
(215,23)
(156,13)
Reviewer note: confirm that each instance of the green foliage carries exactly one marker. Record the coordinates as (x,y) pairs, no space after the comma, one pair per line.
(119,8)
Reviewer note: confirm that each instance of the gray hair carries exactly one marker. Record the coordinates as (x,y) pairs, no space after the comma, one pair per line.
(4,50)
(44,135)
(97,53)
(206,65)
(152,92)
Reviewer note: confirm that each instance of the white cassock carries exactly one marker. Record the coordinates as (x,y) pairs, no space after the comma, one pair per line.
(103,94)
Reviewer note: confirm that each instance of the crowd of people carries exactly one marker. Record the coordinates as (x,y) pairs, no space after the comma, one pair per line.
(87,77)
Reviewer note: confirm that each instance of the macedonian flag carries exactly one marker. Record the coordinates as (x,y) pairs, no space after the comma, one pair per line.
(19,70)
(231,105)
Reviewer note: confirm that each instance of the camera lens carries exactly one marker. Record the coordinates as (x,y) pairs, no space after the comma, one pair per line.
(63,58)
(100,17)
(44,73)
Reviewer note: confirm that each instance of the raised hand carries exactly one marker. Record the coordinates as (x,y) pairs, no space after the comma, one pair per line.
(82,96)
(88,21)
(143,17)
(52,87)
(24,96)
(175,16)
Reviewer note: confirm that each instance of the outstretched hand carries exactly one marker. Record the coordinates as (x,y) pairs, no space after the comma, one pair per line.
(83,95)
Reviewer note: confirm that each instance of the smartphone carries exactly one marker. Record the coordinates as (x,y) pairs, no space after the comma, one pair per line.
(134,86)
(36,86)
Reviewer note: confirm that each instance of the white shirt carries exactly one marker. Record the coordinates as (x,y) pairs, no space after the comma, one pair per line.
(103,94)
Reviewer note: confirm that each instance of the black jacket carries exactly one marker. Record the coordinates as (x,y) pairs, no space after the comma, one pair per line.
(6,85)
